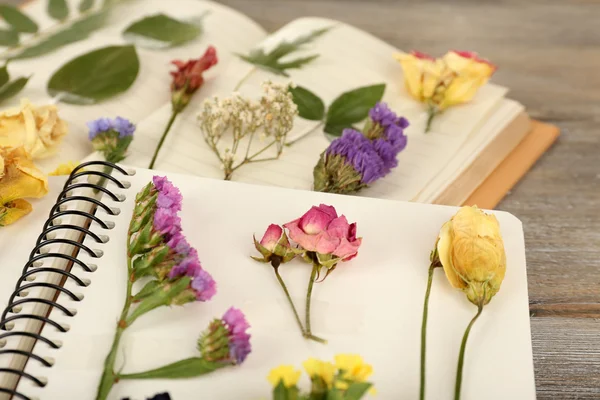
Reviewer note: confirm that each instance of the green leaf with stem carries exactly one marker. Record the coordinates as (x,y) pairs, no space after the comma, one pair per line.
(310,106)
(161,31)
(18,21)
(58,9)
(272,61)
(188,368)
(352,107)
(9,37)
(95,76)
(12,88)
(4,75)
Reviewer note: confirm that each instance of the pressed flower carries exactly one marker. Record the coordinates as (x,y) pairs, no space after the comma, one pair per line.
(111,137)
(286,374)
(39,130)
(275,247)
(19,179)
(187,79)
(444,82)
(357,159)
(353,368)
(64,168)
(320,372)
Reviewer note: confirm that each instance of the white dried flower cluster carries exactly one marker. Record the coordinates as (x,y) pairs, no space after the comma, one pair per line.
(272,116)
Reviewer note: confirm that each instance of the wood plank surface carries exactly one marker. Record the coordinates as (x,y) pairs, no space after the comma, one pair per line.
(548,54)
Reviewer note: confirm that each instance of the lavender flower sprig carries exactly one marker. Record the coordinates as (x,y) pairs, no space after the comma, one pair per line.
(157,250)
(357,159)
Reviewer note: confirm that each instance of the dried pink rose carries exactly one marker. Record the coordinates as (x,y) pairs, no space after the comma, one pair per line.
(274,247)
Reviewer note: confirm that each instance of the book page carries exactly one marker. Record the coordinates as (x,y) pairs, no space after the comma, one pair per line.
(348,58)
(226,29)
(366,306)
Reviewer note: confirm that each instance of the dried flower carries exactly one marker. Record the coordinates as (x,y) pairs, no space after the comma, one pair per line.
(64,168)
(188,78)
(226,339)
(321,231)
(321,374)
(285,374)
(111,137)
(19,179)
(352,368)
(272,116)
(355,160)
(471,251)
(39,130)
(274,247)
(444,82)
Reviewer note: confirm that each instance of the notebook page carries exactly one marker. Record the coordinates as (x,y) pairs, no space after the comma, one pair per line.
(507,111)
(349,58)
(348,308)
(226,29)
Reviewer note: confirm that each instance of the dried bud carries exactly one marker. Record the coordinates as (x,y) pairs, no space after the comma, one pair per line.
(226,339)
(188,78)
(275,247)
(471,251)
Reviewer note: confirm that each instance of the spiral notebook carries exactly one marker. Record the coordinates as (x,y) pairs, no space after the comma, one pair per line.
(54,338)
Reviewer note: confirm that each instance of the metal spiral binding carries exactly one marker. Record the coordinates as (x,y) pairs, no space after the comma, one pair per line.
(37,255)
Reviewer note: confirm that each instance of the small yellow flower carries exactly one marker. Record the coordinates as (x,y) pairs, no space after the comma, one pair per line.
(19,178)
(353,366)
(64,168)
(320,369)
(38,129)
(286,373)
(471,251)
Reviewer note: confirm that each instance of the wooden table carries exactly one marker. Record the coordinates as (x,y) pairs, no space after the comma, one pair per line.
(549,55)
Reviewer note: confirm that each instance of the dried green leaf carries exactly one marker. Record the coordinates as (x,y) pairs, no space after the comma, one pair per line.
(9,38)
(161,31)
(85,5)
(17,20)
(79,30)
(310,106)
(272,61)
(352,107)
(4,75)
(188,368)
(12,88)
(95,76)
(58,9)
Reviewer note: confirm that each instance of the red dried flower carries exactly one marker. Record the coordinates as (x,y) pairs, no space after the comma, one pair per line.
(188,77)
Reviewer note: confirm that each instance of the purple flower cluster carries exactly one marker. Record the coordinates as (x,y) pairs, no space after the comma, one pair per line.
(373,159)
(168,224)
(122,126)
(239,339)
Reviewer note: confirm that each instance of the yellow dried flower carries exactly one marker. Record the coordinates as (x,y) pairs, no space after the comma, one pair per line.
(64,168)
(286,373)
(353,369)
(38,129)
(320,369)
(19,178)
(471,251)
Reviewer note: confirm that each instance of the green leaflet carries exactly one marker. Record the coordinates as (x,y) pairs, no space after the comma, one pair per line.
(7,88)
(310,106)
(161,31)
(352,107)
(95,76)
(17,20)
(85,5)
(188,368)
(9,38)
(272,61)
(79,30)
(58,9)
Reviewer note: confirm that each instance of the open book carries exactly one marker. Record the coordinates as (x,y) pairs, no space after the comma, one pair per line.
(445,165)
(370,305)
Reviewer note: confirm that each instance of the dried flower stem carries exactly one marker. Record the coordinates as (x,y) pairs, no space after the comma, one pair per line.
(109,376)
(313,276)
(432,111)
(244,79)
(174,115)
(461,356)
(424,329)
(287,295)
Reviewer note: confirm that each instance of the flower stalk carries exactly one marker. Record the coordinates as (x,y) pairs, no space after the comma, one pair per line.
(289,298)
(174,115)
(461,354)
(424,328)
(313,276)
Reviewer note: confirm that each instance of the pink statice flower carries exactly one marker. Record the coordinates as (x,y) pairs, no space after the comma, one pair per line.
(239,339)
(226,340)
(203,285)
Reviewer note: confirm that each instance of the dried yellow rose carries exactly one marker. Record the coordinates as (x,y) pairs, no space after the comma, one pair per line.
(444,82)
(19,179)
(38,129)
(471,251)
(64,168)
